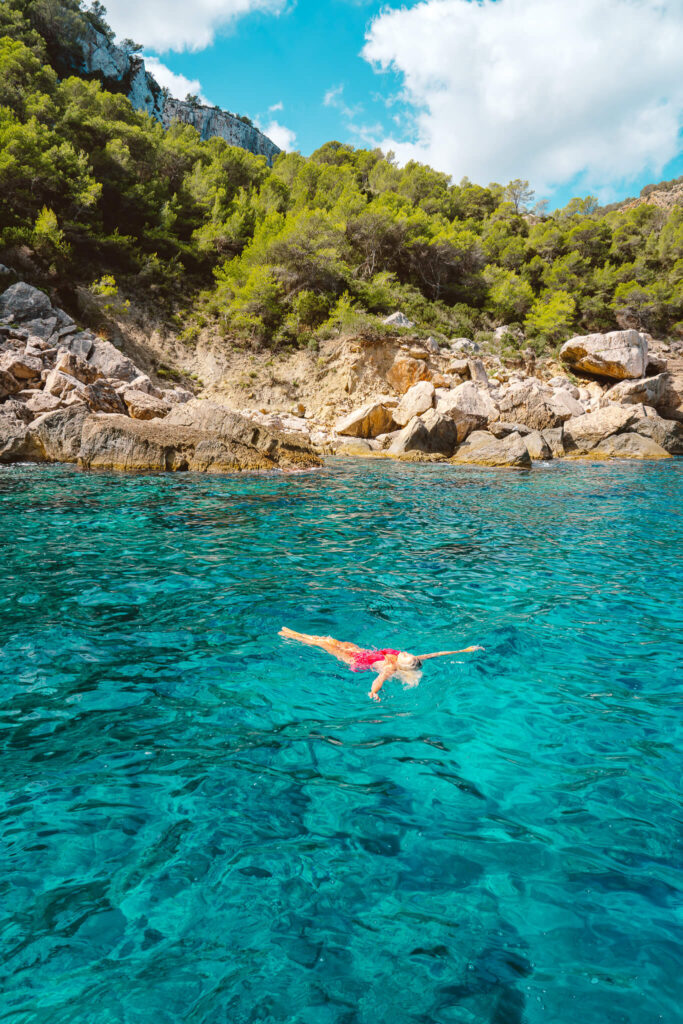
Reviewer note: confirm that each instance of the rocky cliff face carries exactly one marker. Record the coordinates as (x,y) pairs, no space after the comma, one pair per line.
(123,71)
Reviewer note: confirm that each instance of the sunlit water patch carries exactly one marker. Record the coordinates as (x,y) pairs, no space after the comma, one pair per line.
(202,823)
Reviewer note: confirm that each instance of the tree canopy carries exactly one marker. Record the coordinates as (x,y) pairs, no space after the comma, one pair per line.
(91,187)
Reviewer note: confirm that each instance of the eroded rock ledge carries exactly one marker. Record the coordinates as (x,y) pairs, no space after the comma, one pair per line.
(68,396)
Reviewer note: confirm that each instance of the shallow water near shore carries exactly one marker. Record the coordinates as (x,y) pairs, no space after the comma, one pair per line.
(200,822)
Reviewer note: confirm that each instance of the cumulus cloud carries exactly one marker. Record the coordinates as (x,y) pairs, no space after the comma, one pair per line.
(178,85)
(178,25)
(548,90)
(282,136)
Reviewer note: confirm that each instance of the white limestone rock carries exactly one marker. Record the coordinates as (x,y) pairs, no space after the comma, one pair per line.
(618,355)
(469,406)
(398,319)
(368,421)
(416,400)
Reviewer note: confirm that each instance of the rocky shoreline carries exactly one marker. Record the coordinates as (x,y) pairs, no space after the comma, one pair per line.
(615,398)
(67,395)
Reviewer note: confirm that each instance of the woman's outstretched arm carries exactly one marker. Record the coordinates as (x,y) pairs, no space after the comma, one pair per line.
(442,654)
(379,682)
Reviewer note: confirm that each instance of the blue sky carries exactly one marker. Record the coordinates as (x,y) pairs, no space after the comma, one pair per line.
(577,96)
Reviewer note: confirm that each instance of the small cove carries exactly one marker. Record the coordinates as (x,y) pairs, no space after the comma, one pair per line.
(200,822)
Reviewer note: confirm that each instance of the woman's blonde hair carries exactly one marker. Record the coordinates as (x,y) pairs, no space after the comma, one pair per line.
(407,661)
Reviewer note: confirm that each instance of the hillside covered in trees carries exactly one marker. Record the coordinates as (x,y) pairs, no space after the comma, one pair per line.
(96,194)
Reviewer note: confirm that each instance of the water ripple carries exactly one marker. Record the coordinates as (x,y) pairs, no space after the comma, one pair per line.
(201,823)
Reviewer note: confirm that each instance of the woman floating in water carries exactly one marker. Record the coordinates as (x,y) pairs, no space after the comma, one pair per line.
(386,663)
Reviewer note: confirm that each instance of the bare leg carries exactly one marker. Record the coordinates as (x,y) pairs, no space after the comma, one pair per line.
(338,648)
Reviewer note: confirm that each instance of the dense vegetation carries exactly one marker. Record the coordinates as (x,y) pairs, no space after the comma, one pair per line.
(91,188)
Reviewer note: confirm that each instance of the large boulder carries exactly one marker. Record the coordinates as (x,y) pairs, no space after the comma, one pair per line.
(204,438)
(56,436)
(142,406)
(442,432)
(431,433)
(566,402)
(554,438)
(583,433)
(81,343)
(111,362)
(537,446)
(670,402)
(407,371)
(75,366)
(668,434)
(102,397)
(398,319)
(481,449)
(416,400)
(368,421)
(477,371)
(644,391)
(413,438)
(15,443)
(464,346)
(537,406)
(502,428)
(61,384)
(41,402)
(469,406)
(23,302)
(42,329)
(9,385)
(21,366)
(618,355)
(629,446)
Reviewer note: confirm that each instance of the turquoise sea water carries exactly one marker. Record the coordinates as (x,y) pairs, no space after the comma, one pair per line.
(202,823)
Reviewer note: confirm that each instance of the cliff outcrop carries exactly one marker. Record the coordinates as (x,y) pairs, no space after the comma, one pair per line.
(122,70)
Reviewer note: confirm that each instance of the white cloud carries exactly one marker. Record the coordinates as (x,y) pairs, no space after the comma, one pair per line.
(178,24)
(332,97)
(178,85)
(282,136)
(276,106)
(541,89)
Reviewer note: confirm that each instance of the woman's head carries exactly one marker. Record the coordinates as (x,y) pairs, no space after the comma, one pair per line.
(407,661)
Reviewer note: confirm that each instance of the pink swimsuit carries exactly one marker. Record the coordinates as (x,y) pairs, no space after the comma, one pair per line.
(366,659)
